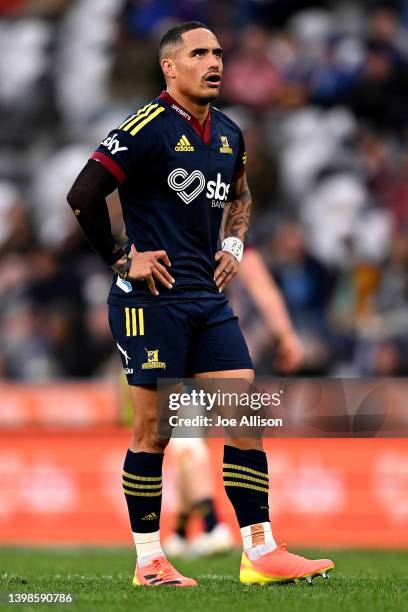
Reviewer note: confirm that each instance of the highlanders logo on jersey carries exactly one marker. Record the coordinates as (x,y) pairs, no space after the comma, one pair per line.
(184,145)
(225,145)
(153,360)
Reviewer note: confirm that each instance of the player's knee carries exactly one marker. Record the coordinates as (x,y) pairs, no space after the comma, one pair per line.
(148,442)
(145,437)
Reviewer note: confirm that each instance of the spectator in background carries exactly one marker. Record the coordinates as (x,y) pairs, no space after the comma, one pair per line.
(380,97)
(38,8)
(384,28)
(15,234)
(333,77)
(250,76)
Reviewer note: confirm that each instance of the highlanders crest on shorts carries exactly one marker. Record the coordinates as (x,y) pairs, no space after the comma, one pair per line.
(153,360)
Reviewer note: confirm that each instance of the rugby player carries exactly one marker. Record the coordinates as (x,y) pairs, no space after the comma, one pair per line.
(179,165)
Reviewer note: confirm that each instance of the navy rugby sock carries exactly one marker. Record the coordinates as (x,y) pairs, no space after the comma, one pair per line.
(246,483)
(142,485)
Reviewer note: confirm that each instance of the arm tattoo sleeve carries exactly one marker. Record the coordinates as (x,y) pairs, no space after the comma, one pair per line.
(239,211)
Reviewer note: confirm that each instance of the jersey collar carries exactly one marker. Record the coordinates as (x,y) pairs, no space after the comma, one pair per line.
(203,131)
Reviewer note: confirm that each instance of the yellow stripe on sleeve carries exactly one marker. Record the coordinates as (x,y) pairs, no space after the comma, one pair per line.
(122,125)
(139,116)
(145,121)
(129,119)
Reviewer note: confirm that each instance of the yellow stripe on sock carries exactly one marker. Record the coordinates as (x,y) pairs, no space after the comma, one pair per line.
(244,477)
(244,485)
(135,477)
(145,121)
(142,494)
(140,486)
(245,469)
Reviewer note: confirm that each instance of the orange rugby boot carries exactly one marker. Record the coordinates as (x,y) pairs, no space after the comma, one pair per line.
(280,565)
(160,572)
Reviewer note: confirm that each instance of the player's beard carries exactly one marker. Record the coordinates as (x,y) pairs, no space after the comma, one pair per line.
(207,98)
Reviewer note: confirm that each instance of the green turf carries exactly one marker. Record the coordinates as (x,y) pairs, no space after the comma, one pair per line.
(100,580)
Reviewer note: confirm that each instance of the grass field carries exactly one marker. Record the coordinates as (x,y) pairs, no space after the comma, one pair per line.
(100,580)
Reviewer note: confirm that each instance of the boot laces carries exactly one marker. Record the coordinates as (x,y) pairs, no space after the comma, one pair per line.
(165,569)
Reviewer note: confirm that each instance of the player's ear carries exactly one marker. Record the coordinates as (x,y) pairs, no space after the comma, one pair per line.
(168,68)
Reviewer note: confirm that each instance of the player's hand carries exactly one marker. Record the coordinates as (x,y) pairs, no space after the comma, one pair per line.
(226,269)
(290,352)
(147,267)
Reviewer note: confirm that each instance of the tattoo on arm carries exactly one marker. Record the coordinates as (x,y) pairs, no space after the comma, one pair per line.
(238,211)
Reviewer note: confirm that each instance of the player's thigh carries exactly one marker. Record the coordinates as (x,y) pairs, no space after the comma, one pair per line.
(220,348)
(144,406)
(233,436)
(222,352)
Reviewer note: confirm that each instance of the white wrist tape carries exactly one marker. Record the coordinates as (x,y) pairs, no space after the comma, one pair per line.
(235,246)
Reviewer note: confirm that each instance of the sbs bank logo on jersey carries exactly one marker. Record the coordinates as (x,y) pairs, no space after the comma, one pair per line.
(189,186)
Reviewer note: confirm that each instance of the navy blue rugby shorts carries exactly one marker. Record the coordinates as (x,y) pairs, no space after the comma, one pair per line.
(178,340)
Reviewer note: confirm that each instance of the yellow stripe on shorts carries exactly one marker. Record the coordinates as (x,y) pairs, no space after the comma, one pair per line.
(141,321)
(127,321)
(131,321)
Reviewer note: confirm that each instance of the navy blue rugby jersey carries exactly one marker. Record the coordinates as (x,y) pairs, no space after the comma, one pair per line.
(174,180)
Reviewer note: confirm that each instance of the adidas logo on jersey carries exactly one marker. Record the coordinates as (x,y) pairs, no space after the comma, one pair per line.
(184,145)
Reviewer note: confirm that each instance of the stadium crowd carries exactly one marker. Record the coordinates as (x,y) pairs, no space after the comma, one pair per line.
(320,90)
